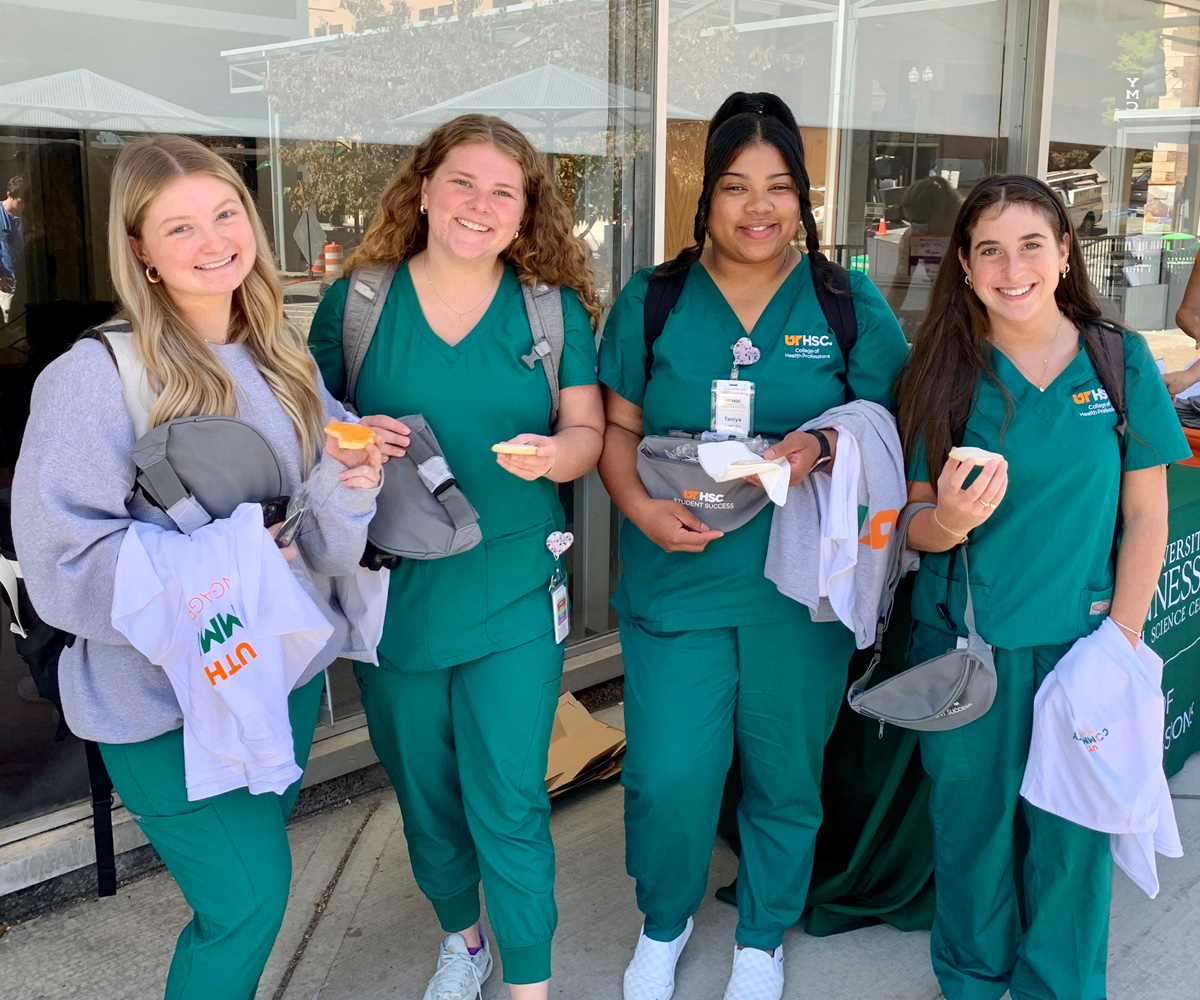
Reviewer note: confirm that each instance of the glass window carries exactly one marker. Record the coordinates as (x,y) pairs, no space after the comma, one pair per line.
(899,104)
(1124,151)
(317,108)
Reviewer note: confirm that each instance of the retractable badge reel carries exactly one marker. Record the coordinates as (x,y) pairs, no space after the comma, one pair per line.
(560,607)
(733,398)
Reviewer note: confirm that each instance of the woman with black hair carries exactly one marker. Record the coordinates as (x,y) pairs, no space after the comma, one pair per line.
(711,648)
(1012,358)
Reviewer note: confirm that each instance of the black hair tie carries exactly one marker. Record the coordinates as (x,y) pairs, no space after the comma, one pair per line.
(754,107)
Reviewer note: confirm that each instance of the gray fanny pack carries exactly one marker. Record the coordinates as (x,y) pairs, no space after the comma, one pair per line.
(421,513)
(670,470)
(945,692)
(201,468)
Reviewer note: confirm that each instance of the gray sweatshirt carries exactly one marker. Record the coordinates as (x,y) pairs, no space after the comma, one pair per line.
(793,554)
(69,515)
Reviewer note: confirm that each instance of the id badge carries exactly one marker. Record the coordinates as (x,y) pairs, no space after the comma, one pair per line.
(560,610)
(733,406)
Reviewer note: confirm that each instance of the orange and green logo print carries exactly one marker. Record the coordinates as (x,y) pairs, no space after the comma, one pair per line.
(1092,402)
(220,628)
(1091,738)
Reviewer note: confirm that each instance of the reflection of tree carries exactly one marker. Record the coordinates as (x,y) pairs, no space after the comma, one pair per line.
(396,68)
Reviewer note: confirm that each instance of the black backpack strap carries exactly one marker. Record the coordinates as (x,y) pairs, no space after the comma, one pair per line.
(661,296)
(1112,346)
(837,303)
(102,833)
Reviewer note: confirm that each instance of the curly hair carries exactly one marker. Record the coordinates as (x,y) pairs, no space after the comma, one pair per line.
(546,248)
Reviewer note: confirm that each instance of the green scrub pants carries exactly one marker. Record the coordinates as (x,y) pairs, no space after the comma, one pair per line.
(1022,895)
(229,855)
(778,688)
(465,748)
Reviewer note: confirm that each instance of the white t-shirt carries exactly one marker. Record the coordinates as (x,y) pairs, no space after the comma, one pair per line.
(1096,753)
(222,613)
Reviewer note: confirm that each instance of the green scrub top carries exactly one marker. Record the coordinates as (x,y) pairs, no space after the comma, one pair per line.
(724,586)
(1041,565)
(443,612)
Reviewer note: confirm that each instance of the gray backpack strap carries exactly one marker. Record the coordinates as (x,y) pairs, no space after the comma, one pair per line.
(161,483)
(117,336)
(543,303)
(891,581)
(439,480)
(369,286)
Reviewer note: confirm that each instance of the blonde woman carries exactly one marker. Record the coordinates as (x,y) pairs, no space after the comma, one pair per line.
(462,702)
(191,265)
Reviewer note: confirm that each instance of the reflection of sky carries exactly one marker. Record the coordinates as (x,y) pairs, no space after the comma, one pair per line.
(176,55)
(962,41)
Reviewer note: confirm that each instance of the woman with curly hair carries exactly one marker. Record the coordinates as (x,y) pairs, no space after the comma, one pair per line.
(462,703)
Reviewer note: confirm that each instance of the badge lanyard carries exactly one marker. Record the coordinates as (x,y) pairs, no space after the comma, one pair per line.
(560,607)
(733,398)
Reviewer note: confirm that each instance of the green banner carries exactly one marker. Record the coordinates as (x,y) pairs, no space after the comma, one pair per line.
(1173,625)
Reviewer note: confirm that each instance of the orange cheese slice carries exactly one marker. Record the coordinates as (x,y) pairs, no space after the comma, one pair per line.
(352,437)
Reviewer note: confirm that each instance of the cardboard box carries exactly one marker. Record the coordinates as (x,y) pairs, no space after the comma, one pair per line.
(582,749)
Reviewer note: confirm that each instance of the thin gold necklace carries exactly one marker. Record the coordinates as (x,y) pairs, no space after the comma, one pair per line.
(461,315)
(1040,382)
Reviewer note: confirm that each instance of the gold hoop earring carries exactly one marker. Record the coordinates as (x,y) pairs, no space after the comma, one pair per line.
(152,274)
(423,212)
(967,279)
(1066,270)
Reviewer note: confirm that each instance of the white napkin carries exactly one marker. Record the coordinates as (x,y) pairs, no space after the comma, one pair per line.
(726,460)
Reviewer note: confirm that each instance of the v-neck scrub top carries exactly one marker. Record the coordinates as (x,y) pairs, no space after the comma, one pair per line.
(444,612)
(1041,566)
(798,377)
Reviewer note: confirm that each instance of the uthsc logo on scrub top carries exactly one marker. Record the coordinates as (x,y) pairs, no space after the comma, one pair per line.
(1092,402)
(814,346)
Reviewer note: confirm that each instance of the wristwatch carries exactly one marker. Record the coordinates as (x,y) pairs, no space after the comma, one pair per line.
(826,455)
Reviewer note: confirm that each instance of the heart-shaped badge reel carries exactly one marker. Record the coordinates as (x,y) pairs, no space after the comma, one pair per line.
(745,353)
(558,542)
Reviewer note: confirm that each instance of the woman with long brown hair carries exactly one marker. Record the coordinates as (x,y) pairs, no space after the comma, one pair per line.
(461,705)
(203,308)
(1012,358)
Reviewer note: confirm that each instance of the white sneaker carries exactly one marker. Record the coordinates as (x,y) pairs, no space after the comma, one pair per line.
(651,973)
(460,975)
(757,975)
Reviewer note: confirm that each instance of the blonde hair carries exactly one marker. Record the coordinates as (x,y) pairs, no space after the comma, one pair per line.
(186,376)
(546,248)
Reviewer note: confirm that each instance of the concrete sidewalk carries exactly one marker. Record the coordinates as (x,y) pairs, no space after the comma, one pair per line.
(358,928)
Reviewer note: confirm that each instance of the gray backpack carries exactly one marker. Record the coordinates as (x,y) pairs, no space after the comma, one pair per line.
(421,512)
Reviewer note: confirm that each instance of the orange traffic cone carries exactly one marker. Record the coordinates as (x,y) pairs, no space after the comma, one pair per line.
(882,230)
(333,260)
(318,267)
